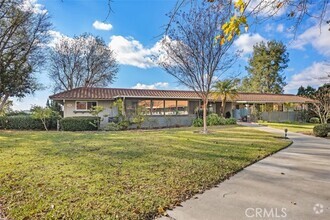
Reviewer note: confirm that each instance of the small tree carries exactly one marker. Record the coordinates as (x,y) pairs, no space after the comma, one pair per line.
(321,106)
(95,111)
(225,89)
(139,116)
(43,114)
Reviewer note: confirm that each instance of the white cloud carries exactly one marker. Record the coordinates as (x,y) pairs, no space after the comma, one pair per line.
(318,38)
(34,6)
(131,52)
(315,75)
(265,8)
(246,41)
(280,28)
(158,85)
(56,37)
(98,25)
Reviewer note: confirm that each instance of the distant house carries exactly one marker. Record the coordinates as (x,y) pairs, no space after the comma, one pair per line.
(167,108)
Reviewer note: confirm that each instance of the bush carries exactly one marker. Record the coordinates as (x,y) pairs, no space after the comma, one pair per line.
(112,126)
(320,130)
(198,122)
(88,123)
(231,121)
(25,122)
(214,119)
(314,120)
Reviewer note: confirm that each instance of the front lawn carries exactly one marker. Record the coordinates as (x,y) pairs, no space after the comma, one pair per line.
(123,175)
(304,128)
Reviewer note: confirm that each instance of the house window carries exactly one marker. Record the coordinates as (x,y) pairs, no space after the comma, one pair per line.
(157,107)
(145,105)
(182,107)
(170,107)
(84,105)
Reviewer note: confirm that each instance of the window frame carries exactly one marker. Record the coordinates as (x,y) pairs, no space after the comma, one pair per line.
(83,110)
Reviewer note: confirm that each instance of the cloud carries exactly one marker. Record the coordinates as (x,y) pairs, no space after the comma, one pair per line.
(158,85)
(266,8)
(280,28)
(315,75)
(131,52)
(56,36)
(34,6)
(246,41)
(98,25)
(318,38)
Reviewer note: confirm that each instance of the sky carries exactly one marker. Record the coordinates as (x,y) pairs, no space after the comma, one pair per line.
(134,28)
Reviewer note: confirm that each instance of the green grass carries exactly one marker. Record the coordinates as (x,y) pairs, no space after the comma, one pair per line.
(305,128)
(124,175)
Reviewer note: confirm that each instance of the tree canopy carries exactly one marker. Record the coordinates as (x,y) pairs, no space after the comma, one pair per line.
(82,61)
(265,68)
(23,36)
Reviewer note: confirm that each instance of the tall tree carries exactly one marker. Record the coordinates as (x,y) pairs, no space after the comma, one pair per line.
(192,55)
(308,92)
(225,89)
(265,68)
(84,61)
(24,32)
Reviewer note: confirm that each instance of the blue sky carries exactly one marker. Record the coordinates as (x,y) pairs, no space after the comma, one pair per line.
(135,26)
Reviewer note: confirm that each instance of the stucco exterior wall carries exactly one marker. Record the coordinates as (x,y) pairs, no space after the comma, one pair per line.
(70,110)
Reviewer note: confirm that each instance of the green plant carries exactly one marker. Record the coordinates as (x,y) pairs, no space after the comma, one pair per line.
(321,130)
(25,122)
(213,119)
(314,120)
(198,122)
(95,111)
(112,126)
(231,121)
(139,116)
(79,123)
(42,114)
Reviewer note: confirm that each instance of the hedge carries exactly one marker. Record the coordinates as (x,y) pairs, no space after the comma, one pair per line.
(321,130)
(25,122)
(214,119)
(88,123)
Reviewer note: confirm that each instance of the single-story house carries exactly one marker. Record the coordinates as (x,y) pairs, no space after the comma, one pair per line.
(166,108)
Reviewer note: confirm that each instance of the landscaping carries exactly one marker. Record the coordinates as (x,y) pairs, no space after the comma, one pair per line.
(304,128)
(125,174)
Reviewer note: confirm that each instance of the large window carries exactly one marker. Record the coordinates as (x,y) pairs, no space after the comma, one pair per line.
(170,107)
(182,107)
(84,105)
(145,106)
(157,107)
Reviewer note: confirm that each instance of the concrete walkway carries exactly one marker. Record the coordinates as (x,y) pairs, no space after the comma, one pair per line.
(291,184)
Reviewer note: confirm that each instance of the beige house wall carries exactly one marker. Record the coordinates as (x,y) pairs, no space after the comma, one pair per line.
(70,110)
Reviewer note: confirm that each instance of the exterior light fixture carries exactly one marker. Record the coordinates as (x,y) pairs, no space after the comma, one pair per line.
(286,133)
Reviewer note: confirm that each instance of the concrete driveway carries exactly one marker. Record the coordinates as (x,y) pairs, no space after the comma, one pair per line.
(291,184)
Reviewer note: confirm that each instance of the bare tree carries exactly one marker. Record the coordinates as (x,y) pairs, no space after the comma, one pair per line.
(83,61)
(321,106)
(192,54)
(23,35)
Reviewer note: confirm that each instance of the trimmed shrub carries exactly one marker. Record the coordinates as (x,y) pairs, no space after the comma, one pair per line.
(112,126)
(320,130)
(25,122)
(214,119)
(314,120)
(88,123)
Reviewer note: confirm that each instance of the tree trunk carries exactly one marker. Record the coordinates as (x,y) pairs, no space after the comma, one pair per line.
(3,101)
(205,115)
(44,123)
(224,106)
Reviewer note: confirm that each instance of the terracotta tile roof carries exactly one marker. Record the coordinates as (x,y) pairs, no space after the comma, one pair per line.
(112,93)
